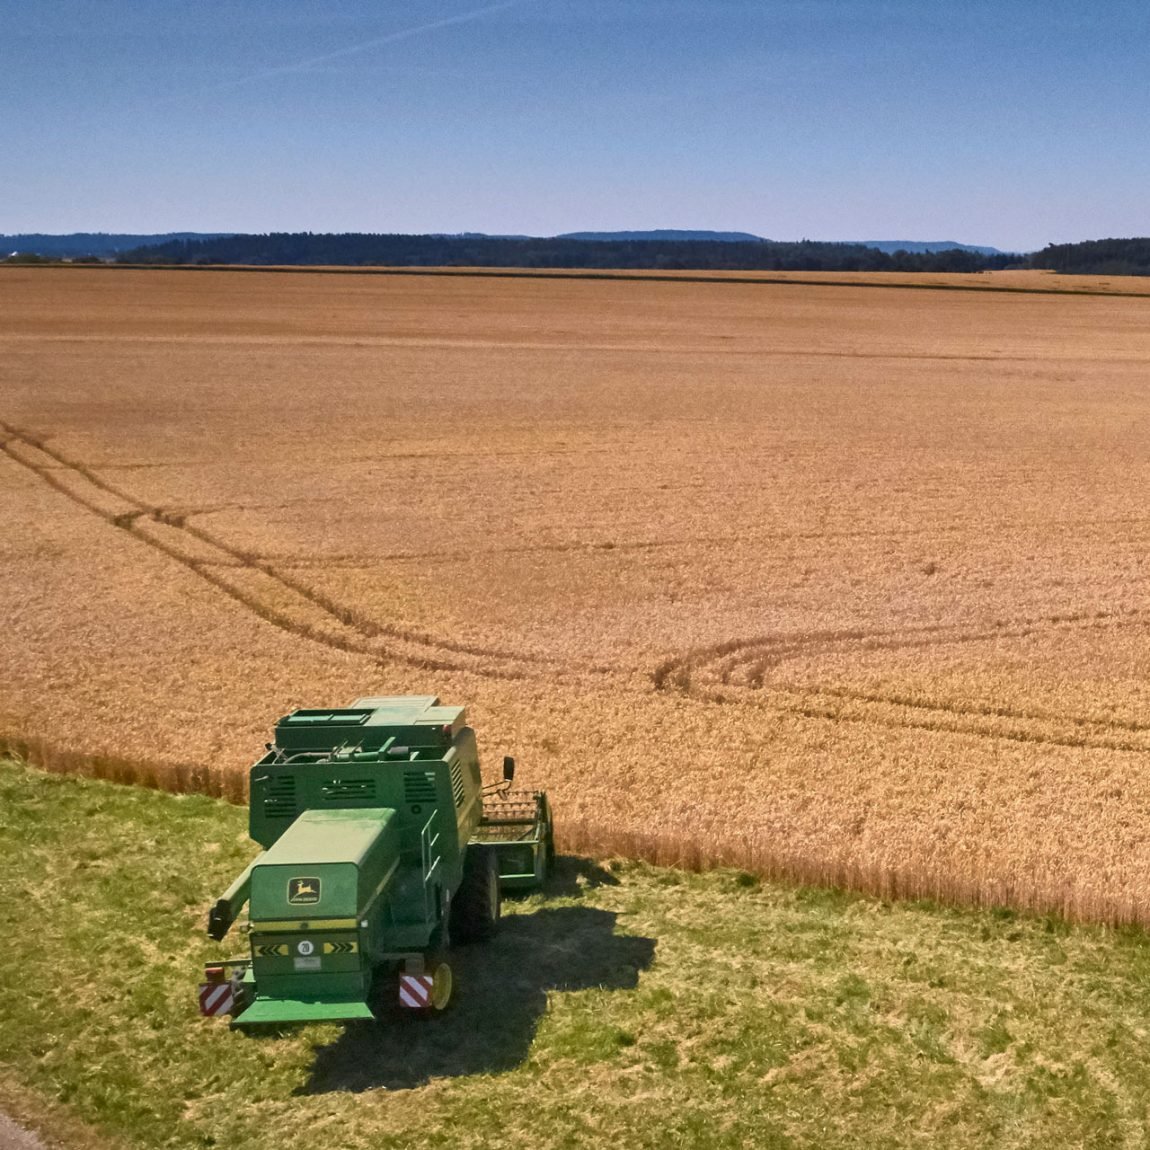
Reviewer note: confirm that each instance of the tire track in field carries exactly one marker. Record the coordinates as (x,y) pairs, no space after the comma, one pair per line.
(253,582)
(742,671)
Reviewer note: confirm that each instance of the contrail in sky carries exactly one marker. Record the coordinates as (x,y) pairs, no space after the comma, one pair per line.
(379,41)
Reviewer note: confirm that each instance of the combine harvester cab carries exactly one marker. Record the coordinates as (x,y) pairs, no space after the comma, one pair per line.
(381,849)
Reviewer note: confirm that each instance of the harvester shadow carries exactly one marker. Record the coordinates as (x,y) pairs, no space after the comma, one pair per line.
(501,994)
(571,875)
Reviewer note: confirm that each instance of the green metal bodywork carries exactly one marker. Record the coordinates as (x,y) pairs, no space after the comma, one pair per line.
(365,815)
(348,858)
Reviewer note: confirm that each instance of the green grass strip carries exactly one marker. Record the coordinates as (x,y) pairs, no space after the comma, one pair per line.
(633,1007)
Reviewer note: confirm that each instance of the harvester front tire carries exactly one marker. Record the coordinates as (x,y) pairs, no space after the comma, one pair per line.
(477,905)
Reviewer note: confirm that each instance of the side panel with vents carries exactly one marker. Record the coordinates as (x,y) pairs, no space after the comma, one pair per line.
(418,787)
(280,798)
(348,790)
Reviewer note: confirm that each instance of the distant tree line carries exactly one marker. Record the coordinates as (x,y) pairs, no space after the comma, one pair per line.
(354,249)
(1116,257)
(1129,257)
(79,245)
(37,258)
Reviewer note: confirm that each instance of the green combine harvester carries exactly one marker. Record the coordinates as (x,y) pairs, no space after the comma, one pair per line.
(381,848)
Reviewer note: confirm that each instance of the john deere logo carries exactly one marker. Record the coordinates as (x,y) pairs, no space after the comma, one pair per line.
(302,891)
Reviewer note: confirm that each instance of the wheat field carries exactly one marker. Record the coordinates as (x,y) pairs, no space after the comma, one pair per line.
(839,582)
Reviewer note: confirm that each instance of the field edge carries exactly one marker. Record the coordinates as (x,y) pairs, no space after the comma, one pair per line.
(586,838)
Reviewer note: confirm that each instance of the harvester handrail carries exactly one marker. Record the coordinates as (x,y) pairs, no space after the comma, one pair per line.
(283,759)
(427,843)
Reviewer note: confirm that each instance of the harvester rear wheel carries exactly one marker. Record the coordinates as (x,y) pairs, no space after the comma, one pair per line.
(477,905)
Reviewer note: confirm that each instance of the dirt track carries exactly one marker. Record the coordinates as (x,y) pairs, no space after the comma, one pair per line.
(14,1137)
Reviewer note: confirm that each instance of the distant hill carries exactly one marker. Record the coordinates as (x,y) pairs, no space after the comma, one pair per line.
(663,234)
(105,245)
(108,245)
(887,246)
(891,246)
(357,249)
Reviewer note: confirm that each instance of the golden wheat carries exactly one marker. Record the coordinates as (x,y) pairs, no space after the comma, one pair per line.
(834,582)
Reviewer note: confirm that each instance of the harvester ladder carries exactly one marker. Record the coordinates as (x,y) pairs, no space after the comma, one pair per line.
(430,858)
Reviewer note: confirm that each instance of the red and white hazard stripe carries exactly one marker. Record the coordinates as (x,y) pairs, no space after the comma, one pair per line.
(216,998)
(415,990)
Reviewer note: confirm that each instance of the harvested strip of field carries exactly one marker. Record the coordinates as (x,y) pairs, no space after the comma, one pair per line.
(633,1006)
(1032,281)
(836,582)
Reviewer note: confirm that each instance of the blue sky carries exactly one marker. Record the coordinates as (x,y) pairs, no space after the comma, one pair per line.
(1008,122)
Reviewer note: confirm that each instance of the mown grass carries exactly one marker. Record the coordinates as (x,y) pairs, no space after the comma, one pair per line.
(633,1006)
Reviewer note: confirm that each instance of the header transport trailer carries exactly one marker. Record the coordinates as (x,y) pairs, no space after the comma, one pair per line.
(381,848)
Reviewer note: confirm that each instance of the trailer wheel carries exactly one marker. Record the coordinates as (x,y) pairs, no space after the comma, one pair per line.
(549,840)
(476,907)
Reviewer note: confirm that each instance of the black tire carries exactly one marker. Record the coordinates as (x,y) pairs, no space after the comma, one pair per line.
(545,856)
(477,905)
(549,853)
